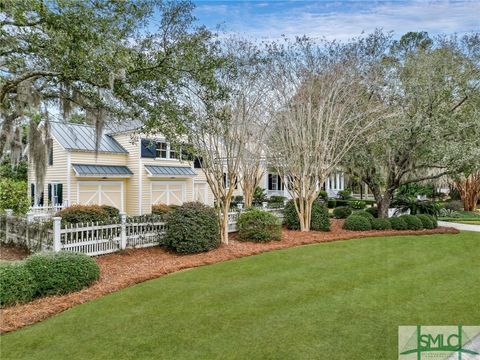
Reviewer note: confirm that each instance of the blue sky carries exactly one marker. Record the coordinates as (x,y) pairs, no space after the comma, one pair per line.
(337,19)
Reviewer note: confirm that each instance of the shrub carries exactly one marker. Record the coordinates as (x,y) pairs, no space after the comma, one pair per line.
(323,195)
(192,228)
(14,195)
(83,214)
(112,211)
(258,226)
(449,213)
(364,214)
(276,201)
(342,212)
(63,272)
(161,209)
(434,220)
(373,211)
(332,203)
(259,196)
(319,222)
(341,202)
(398,223)
(345,194)
(426,221)
(357,223)
(455,205)
(413,222)
(358,204)
(381,224)
(17,284)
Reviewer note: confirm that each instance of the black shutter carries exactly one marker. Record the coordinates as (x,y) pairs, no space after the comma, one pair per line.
(59,194)
(197,162)
(224,180)
(148,148)
(49,187)
(32,194)
(270,185)
(40,202)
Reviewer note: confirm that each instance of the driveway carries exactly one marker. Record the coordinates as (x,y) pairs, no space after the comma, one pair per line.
(459,226)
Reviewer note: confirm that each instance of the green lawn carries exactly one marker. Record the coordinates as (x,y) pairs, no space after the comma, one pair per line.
(342,300)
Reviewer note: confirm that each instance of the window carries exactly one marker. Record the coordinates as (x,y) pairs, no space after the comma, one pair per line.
(226,183)
(174,152)
(275,182)
(55,194)
(161,150)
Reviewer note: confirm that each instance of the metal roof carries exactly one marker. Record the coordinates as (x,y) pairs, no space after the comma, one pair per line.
(169,171)
(101,170)
(82,138)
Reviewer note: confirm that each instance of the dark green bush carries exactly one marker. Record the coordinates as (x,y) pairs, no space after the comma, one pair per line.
(357,223)
(112,211)
(358,204)
(434,220)
(345,194)
(332,203)
(258,226)
(192,228)
(276,201)
(320,220)
(373,211)
(323,195)
(341,202)
(426,221)
(17,284)
(364,214)
(83,214)
(381,224)
(454,205)
(398,223)
(412,222)
(63,272)
(342,212)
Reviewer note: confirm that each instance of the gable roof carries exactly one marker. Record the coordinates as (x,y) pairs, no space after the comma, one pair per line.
(81,137)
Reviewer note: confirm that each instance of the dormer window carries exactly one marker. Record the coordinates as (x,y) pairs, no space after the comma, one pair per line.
(161,150)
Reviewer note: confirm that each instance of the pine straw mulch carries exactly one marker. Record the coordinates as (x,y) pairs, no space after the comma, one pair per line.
(123,269)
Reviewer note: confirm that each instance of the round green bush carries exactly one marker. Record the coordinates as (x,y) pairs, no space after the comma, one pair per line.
(63,272)
(373,210)
(364,214)
(258,226)
(112,211)
(357,223)
(381,224)
(331,203)
(192,228)
(413,222)
(342,212)
(426,221)
(398,223)
(17,284)
(358,204)
(319,222)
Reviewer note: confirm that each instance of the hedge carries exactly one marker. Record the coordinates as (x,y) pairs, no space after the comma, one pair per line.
(373,210)
(319,222)
(17,284)
(398,223)
(192,228)
(381,224)
(258,226)
(342,212)
(162,209)
(87,213)
(357,223)
(62,272)
(426,220)
(364,214)
(413,222)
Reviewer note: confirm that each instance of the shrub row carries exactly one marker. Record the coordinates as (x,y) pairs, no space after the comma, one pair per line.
(88,213)
(364,221)
(45,274)
(258,226)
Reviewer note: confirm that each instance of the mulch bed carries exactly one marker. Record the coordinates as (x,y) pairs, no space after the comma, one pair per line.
(11,253)
(123,269)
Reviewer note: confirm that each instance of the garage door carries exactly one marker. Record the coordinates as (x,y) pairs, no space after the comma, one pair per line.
(170,193)
(101,193)
(201,192)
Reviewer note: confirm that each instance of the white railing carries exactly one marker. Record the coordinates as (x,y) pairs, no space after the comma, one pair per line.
(44,212)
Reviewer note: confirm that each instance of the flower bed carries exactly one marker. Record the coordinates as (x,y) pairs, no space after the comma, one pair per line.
(120,270)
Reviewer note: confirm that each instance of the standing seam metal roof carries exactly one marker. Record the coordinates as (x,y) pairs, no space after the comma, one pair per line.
(103,170)
(170,170)
(82,138)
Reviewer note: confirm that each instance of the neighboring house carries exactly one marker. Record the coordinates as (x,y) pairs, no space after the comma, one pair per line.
(129,175)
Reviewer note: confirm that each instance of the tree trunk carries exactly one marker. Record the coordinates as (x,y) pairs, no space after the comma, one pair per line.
(247,196)
(469,189)
(304,214)
(225,207)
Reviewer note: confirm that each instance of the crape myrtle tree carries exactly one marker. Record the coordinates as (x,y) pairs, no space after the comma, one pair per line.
(224,122)
(429,85)
(323,93)
(102,59)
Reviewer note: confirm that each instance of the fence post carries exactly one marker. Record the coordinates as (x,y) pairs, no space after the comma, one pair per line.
(57,245)
(123,231)
(264,204)
(9,213)
(240,207)
(30,216)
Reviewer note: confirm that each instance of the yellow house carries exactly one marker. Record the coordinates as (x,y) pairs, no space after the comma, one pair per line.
(129,174)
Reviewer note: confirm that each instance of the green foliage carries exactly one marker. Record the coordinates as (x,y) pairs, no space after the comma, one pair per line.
(63,272)
(259,196)
(323,195)
(192,228)
(426,220)
(112,211)
(455,205)
(373,210)
(332,203)
(345,194)
(364,214)
(86,213)
(358,204)
(276,202)
(340,202)
(357,223)
(413,223)
(236,200)
(320,220)
(17,284)
(18,172)
(258,226)
(414,189)
(162,209)
(14,195)
(398,223)
(342,212)
(381,224)
(416,206)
